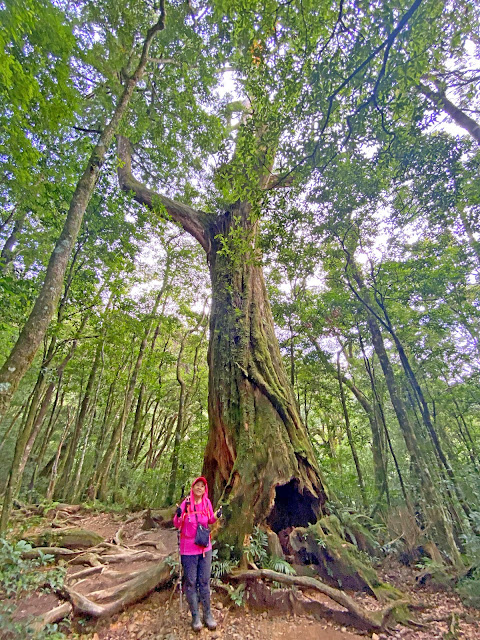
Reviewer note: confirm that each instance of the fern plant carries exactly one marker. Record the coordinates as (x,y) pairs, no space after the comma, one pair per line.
(469,589)
(256,549)
(280,565)
(18,574)
(237,594)
(221,567)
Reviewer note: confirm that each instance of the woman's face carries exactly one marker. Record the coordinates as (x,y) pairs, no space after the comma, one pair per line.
(199,489)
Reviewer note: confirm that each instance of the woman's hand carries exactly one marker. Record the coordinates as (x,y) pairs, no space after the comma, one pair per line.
(178,512)
(218,513)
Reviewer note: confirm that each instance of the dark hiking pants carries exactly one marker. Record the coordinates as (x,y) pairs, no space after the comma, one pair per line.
(196,570)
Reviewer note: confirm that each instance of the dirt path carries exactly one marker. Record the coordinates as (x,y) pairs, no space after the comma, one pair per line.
(158,617)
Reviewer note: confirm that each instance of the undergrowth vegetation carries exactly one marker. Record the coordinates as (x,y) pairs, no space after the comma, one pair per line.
(19,578)
(257,554)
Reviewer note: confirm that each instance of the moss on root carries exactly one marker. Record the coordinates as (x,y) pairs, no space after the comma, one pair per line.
(337,561)
(73,538)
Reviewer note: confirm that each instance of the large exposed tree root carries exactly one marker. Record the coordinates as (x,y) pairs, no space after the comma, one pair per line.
(54,615)
(124,594)
(370,620)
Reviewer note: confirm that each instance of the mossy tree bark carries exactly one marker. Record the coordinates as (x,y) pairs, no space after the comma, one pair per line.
(259,461)
(258,458)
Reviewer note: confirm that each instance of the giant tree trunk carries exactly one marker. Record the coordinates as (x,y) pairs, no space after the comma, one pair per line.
(258,459)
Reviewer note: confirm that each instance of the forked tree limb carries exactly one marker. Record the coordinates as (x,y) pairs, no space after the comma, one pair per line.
(193,221)
(375,620)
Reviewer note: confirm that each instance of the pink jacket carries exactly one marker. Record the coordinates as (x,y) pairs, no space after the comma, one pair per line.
(187,522)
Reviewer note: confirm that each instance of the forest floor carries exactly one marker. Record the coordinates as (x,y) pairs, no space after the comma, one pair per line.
(159,617)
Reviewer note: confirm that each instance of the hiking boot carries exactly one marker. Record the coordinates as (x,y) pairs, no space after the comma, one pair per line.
(196,622)
(209,620)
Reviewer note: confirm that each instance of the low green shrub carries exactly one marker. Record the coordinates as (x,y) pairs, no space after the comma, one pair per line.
(20,576)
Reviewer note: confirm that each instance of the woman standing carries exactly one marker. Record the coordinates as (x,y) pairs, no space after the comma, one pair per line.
(194,514)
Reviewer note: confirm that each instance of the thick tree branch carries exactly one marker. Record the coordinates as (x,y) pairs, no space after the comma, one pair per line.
(193,221)
(440,100)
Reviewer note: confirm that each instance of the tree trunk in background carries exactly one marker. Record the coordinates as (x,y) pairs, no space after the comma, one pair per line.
(46,438)
(77,485)
(432,506)
(137,424)
(35,328)
(53,474)
(378,439)
(101,482)
(170,497)
(259,459)
(380,436)
(46,403)
(79,422)
(154,435)
(182,400)
(8,254)
(292,354)
(425,412)
(166,434)
(351,442)
(467,436)
(433,503)
(26,438)
(9,429)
